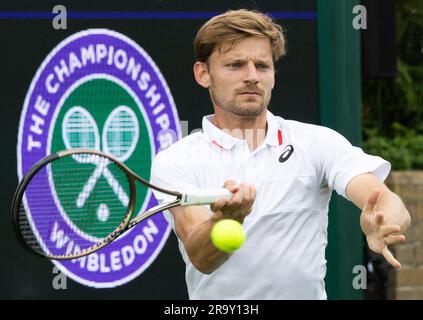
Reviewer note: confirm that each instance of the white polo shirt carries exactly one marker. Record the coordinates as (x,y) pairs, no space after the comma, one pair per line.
(294,172)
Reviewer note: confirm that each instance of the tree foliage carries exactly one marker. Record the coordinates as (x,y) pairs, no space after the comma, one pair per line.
(393,108)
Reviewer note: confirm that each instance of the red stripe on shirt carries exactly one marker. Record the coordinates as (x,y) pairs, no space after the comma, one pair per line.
(216,144)
(280,137)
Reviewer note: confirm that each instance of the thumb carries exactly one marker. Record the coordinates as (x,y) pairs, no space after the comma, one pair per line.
(371,201)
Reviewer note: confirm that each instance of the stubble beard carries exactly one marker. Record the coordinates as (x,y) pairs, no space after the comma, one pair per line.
(245,109)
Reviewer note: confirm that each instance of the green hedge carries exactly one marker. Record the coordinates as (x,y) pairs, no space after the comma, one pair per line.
(393,108)
(404,149)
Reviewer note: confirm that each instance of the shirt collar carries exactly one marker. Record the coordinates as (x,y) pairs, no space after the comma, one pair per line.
(218,136)
(274,135)
(222,139)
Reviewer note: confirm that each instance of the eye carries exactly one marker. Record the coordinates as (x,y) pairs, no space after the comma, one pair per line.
(234,65)
(263,66)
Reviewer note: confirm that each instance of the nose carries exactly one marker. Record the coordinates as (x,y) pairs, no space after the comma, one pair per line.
(251,73)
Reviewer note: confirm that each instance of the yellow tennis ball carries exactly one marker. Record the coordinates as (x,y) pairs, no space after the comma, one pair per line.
(227,235)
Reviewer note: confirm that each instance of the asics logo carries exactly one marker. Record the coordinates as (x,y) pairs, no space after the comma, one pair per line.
(287,152)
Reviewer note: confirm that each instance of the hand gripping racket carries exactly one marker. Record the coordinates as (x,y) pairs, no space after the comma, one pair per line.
(50,222)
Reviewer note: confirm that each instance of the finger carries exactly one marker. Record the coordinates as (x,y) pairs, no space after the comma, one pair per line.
(251,197)
(394,239)
(218,205)
(371,201)
(380,218)
(237,198)
(253,193)
(245,191)
(231,186)
(390,258)
(250,192)
(388,230)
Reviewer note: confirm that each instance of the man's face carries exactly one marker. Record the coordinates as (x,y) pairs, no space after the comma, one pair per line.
(242,79)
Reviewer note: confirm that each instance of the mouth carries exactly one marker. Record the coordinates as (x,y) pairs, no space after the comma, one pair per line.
(256,93)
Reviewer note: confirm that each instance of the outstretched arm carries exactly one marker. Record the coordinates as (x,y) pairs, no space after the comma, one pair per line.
(193,225)
(384,217)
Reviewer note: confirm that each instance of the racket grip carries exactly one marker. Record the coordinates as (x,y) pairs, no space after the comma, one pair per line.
(204,196)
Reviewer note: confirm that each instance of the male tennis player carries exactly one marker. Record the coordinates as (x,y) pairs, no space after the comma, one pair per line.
(281,172)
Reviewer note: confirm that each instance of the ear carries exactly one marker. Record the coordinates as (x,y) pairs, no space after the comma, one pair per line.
(201,73)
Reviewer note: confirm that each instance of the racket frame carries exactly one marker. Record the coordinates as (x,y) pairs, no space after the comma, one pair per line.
(18,199)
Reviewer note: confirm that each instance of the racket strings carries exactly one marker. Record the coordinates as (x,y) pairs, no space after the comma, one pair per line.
(26,231)
(56,224)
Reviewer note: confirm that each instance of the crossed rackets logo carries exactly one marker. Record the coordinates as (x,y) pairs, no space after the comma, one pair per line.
(99,107)
(119,138)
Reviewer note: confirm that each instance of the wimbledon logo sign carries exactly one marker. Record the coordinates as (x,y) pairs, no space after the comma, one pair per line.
(98,89)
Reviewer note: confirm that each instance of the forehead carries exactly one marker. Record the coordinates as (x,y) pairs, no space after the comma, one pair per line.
(248,48)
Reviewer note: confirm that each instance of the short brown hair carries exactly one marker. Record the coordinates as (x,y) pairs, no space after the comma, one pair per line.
(234,26)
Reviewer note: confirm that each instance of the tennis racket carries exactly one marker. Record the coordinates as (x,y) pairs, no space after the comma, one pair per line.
(61,226)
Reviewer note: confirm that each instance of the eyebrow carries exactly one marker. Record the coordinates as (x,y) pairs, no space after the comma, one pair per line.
(243,60)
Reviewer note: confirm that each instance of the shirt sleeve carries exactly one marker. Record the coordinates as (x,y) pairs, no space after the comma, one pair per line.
(172,175)
(341,161)
(168,172)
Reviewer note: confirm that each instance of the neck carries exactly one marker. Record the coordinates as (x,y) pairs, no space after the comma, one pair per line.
(251,129)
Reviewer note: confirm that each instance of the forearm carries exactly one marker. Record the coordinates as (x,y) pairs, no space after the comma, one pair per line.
(202,253)
(194,224)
